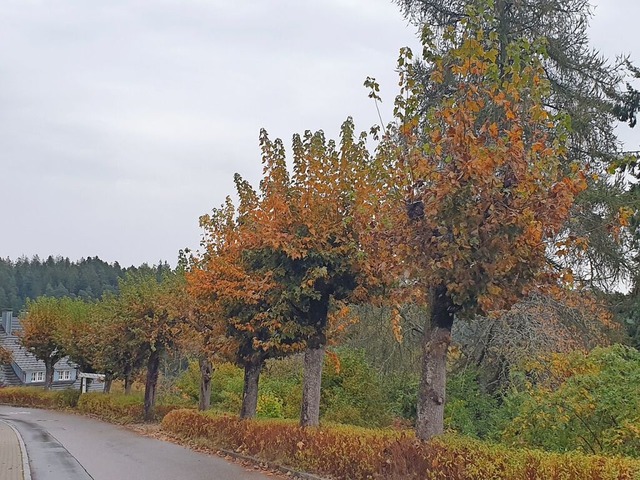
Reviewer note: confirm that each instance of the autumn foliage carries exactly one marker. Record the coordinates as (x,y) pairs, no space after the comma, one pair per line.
(351,453)
(278,265)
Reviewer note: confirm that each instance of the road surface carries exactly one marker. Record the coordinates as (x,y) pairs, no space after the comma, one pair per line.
(62,446)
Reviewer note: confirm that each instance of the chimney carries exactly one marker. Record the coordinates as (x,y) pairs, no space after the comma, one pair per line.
(7,321)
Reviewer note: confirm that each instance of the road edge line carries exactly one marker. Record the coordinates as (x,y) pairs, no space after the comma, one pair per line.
(26,470)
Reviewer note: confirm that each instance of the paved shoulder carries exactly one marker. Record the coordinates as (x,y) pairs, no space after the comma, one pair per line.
(11,461)
(90,449)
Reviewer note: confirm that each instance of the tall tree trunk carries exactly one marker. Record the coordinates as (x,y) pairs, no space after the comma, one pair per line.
(311,386)
(313,361)
(437,337)
(108,380)
(153,369)
(250,390)
(48,373)
(206,370)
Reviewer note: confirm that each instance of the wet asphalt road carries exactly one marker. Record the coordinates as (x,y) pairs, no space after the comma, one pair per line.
(71,447)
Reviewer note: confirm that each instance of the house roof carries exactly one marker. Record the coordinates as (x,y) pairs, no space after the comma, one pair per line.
(21,356)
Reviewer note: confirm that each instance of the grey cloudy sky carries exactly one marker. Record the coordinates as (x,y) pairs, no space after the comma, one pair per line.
(122,121)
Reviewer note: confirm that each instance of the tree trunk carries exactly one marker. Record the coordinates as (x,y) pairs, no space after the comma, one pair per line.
(108,380)
(250,389)
(153,370)
(313,361)
(206,370)
(48,373)
(128,383)
(437,337)
(311,386)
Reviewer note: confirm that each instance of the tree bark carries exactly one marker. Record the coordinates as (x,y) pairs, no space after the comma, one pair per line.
(313,361)
(206,370)
(311,386)
(153,370)
(250,389)
(437,337)
(48,373)
(108,380)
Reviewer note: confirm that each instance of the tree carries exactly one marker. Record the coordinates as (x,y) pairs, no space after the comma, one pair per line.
(479,189)
(153,310)
(289,253)
(225,288)
(119,349)
(583,83)
(45,318)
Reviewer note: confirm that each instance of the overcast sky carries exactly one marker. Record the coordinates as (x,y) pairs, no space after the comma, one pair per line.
(122,121)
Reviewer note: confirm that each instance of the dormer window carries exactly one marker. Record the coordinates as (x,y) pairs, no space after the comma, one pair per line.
(37,376)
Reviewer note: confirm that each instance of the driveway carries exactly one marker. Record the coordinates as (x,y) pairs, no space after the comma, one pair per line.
(62,446)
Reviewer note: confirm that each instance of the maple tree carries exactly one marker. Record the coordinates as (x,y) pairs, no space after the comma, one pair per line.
(478,189)
(204,330)
(229,298)
(279,263)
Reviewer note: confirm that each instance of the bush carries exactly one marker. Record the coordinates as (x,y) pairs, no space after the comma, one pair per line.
(353,393)
(32,397)
(68,398)
(355,453)
(469,409)
(118,408)
(588,403)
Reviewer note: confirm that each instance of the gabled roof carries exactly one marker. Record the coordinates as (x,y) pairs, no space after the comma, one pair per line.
(23,358)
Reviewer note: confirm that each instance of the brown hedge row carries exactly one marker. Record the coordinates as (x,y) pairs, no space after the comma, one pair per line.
(118,408)
(114,408)
(352,453)
(37,397)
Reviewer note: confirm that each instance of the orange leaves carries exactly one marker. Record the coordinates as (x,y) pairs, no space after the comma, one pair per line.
(487,183)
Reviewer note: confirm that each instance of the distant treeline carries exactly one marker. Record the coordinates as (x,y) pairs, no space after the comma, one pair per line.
(88,278)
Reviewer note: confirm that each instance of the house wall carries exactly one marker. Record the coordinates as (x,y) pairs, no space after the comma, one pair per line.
(26,375)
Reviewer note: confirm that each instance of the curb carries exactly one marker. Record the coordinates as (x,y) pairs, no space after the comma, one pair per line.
(271,465)
(26,470)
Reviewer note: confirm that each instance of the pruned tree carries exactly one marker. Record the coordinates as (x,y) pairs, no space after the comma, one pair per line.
(153,309)
(479,186)
(42,323)
(118,349)
(235,297)
(289,254)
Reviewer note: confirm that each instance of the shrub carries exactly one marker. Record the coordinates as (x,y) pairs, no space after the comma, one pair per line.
(346,452)
(117,408)
(31,397)
(353,393)
(588,402)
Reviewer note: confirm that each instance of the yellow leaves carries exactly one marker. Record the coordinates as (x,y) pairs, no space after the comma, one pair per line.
(624,215)
(396,325)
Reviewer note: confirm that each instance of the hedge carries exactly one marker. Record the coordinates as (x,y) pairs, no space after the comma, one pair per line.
(355,453)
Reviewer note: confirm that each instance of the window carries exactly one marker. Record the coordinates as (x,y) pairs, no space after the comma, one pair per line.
(64,375)
(37,376)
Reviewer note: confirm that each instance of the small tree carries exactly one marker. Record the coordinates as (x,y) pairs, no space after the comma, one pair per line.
(154,310)
(226,288)
(45,318)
